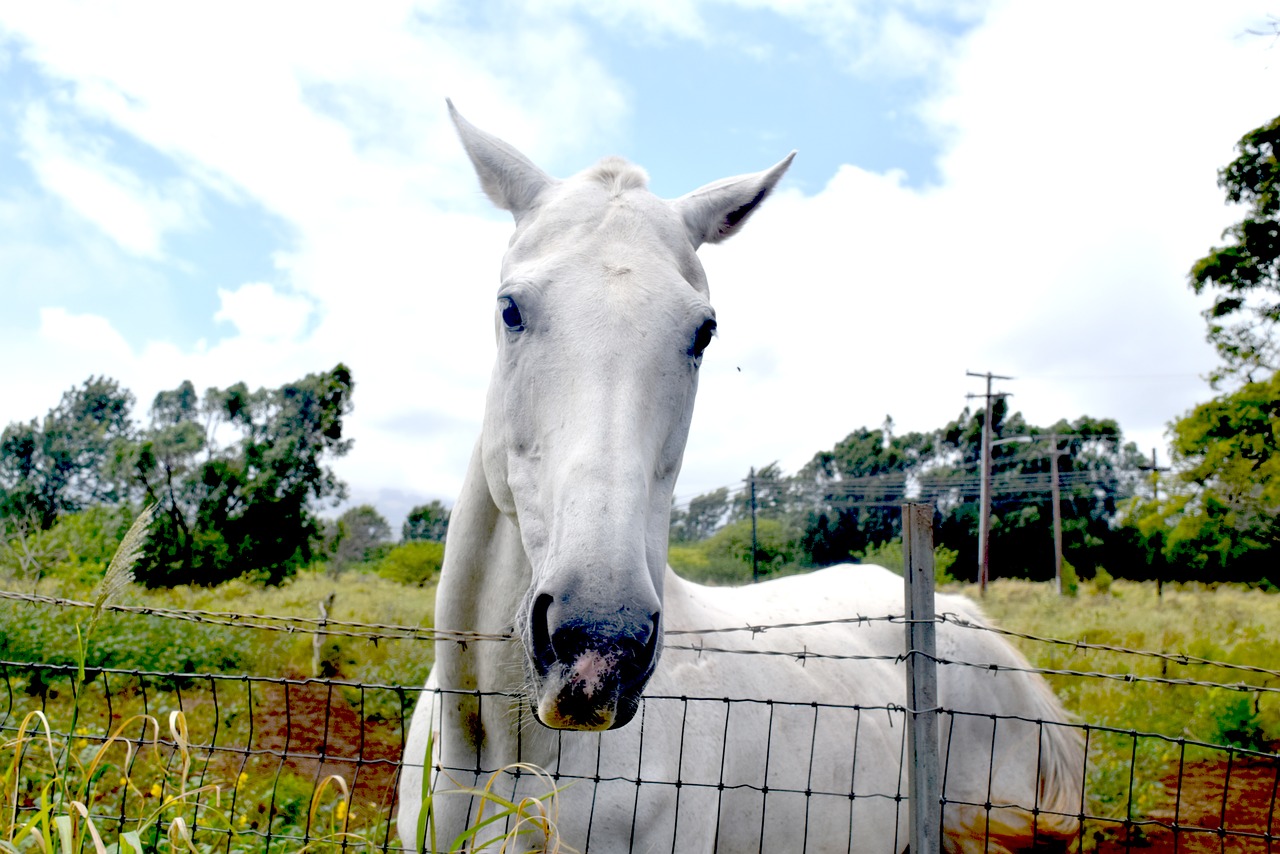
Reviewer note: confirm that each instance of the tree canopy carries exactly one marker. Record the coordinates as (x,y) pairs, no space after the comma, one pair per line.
(57,464)
(426,522)
(238,475)
(1244,274)
(847,500)
(1220,518)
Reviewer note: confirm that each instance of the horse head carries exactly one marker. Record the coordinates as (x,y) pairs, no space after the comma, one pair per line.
(601,319)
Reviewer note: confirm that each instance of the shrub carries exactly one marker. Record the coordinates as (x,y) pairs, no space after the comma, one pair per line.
(889,554)
(416,562)
(1238,724)
(1070,580)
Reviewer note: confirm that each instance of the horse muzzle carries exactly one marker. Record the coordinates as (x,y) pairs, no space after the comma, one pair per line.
(590,669)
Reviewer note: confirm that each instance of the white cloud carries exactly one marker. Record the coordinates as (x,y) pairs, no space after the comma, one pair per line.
(1075,195)
(83,335)
(260,313)
(1076,185)
(132,212)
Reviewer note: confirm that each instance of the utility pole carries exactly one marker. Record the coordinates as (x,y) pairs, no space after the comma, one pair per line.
(1057,512)
(984,512)
(1155,498)
(755,548)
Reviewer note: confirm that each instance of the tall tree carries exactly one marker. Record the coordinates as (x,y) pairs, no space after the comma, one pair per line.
(855,490)
(360,531)
(60,464)
(229,507)
(705,514)
(1244,274)
(426,522)
(1220,521)
(775,496)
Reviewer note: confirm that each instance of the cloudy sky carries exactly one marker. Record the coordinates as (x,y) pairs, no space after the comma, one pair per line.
(255,191)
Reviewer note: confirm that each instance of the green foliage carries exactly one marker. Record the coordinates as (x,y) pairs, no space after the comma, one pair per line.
(1102,580)
(228,509)
(426,522)
(1226,623)
(890,555)
(704,515)
(1220,520)
(1070,580)
(78,547)
(1245,273)
(358,534)
(59,464)
(416,562)
(1239,724)
(725,558)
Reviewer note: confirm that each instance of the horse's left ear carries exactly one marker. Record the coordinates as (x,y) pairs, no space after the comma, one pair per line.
(508,178)
(716,211)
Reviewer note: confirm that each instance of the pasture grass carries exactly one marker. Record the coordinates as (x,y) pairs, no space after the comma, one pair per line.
(143,789)
(1226,623)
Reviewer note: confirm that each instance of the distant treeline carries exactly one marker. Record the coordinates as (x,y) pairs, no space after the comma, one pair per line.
(239,478)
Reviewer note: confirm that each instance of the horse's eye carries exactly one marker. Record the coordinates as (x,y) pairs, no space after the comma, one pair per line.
(702,338)
(511,314)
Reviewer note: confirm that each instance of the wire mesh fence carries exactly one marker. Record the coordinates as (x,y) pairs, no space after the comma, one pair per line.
(237,762)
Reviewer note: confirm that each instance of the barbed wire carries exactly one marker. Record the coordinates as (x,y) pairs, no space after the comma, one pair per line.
(275,623)
(375,631)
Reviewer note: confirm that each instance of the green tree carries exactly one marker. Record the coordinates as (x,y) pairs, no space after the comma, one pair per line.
(704,515)
(231,507)
(1221,520)
(426,522)
(856,489)
(415,562)
(361,531)
(59,464)
(1244,274)
(1098,472)
(775,496)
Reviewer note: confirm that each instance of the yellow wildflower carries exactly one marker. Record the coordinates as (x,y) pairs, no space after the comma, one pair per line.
(341,812)
(156,790)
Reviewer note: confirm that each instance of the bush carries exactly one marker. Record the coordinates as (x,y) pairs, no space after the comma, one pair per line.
(416,562)
(776,544)
(77,548)
(890,555)
(1070,580)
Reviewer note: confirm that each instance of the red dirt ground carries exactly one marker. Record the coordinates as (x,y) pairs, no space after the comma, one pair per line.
(1213,813)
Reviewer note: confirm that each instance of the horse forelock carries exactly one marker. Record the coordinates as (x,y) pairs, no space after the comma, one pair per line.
(618,175)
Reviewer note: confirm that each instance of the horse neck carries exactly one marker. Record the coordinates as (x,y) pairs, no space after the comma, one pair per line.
(482,583)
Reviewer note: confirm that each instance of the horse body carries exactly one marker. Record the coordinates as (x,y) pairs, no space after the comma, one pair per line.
(559,538)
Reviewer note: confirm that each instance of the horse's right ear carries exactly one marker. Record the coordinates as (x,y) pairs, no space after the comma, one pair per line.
(507,177)
(716,211)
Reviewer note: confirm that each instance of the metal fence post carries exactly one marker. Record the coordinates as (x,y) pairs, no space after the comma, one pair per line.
(923,774)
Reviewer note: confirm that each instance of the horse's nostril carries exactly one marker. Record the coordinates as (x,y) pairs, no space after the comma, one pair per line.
(540,633)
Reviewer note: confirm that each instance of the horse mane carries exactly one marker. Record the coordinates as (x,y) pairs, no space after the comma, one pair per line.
(618,175)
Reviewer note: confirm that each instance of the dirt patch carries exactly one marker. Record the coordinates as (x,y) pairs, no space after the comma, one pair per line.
(312,730)
(1213,806)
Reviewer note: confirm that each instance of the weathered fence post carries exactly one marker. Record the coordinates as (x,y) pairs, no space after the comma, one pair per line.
(924,783)
(318,639)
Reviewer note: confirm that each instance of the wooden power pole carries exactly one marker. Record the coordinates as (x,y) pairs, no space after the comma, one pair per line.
(1057,511)
(984,500)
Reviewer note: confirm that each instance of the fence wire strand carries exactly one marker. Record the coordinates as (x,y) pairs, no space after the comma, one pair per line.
(308,730)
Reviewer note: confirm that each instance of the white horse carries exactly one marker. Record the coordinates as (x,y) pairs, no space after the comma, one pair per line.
(790,740)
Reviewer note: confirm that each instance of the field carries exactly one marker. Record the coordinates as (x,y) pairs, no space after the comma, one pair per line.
(295,758)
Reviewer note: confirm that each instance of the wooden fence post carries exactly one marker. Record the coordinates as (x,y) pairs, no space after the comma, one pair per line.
(924,783)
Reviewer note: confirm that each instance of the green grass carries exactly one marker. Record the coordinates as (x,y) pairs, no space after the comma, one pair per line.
(1227,623)
(143,789)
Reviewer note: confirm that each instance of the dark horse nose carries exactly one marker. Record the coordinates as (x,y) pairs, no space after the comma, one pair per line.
(622,642)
